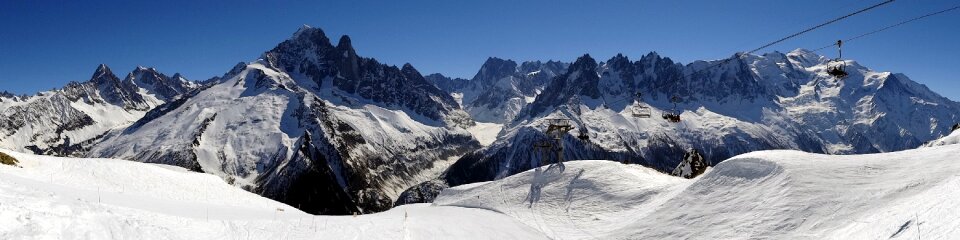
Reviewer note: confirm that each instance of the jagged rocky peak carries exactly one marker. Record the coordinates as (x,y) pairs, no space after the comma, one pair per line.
(580,79)
(619,61)
(103,75)
(310,36)
(494,69)
(345,44)
(6,94)
(179,77)
(447,84)
(300,51)
(410,71)
(146,75)
(160,85)
(584,63)
(650,57)
(534,66)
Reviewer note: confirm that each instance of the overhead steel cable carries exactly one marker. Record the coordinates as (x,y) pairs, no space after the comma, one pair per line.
(891,26)
(819,26)
(739,54)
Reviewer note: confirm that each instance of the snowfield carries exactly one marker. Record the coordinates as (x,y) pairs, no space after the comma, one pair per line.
(760,195)
(71,198)
(486,133)
(777,194)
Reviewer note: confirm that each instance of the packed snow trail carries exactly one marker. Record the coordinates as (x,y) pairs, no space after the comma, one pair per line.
(73,198)
(761,195)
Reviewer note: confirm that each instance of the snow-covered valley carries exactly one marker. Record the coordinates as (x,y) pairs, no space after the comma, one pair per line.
(779,194)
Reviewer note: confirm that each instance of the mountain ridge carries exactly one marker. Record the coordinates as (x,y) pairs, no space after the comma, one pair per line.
(728,106)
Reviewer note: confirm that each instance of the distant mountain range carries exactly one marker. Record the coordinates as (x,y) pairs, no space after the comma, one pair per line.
(728,107)
(314,125)
(58,121)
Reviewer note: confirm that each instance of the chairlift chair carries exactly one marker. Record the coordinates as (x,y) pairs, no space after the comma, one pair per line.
(671,117)
(639,110)
(837,67)
(674,116)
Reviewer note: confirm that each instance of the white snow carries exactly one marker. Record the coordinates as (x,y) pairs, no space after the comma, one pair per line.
(42,133)
(486,133)
(760,195)
(73,198)
(776,194)
(953,138)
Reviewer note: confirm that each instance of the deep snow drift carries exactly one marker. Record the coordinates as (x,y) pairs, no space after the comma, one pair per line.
(71,198)
(761,195)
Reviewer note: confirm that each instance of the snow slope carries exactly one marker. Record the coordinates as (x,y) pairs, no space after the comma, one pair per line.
(953,138)
(760,195)
(777,194)
(71,198)
(486,133)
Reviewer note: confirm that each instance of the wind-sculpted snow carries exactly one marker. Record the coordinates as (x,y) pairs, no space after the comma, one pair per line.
(760,195)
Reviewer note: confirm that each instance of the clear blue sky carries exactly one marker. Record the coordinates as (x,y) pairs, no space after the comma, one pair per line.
(45,44)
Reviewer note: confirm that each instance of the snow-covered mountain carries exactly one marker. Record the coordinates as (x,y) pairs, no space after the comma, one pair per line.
(64,121)
(728,107)
(501,88)
(310,124)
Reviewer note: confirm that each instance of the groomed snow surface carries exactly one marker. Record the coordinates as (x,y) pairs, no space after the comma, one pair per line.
(761,195)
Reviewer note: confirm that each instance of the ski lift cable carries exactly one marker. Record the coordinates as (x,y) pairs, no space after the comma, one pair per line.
(819,26)
(891,26)
(740,54)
